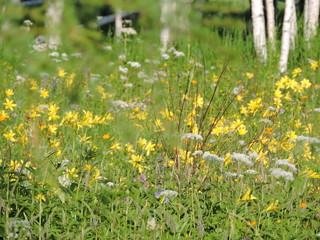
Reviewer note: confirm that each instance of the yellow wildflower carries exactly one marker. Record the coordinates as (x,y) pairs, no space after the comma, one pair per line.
(247,196)
(296,72)
(305,83)
(9,92)
(3,115)
(272,207)
(44,93)
(249,75)
(314,65)
(61,73)
(9,104)
(10,136)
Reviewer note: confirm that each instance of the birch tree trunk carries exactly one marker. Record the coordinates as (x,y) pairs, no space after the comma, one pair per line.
(168,8)
(259,31)
(294,27)
(118,23)
(311,18)
(271,23)
(54,22)
(287,32)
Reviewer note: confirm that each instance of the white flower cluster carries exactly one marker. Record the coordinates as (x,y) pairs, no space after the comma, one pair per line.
(245,158)
(192,136)
(197,153)
(278,173)
(308,139)
(167,193)
(316,109)
(237,90)
(233,175)
(212,157)
(134,64)
(284,162)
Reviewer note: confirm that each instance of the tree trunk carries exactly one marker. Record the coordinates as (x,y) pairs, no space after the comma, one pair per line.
(311,18)
(294,27)
(118,23)
(271,23)
(259,31)
(54,22)
(168,8)
(287,32)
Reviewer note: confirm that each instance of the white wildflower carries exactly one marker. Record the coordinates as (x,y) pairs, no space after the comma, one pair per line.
(241,142)
(267,121)
(165,56)
(152,224)
(253,155)
(250,172)
(76,55)
(242,158)
(316,109)
(123,70)
(178,54)
(308,139)
(197,153)
(110,184)
(128,85)
(134,64)
(212,157)
(107,48)
(122,57)
(123,78)
(64,181)
(237,90)
(20,78)
(272,109)
(284,162)
(54,54)
(128,31)
(233,175)
(278,173)
(192,136)
(142,74)
(167,193)
(28,23)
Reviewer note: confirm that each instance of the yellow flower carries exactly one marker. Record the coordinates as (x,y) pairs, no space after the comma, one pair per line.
(273,207)
(72,173)
(10,136)
(150,148)
(314,65)
(106,136)
(61,73)
(9,104)
(40,197)
(142,142)
(9,92)
(305,83)
(249,75)
(296,72)
(291,135)
(247,196)
(3,115)
(44,93)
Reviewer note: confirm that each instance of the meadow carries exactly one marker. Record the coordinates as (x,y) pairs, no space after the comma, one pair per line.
(198,142)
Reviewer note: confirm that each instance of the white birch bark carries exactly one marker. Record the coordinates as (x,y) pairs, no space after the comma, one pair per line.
(118,23)
(271,23)
(259,31)
(168,8)
(311,18)
(294,27)
(287,29)
(54,22)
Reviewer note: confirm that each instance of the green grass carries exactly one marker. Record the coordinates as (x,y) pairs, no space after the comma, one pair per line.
(93,159)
